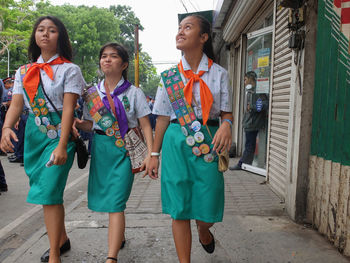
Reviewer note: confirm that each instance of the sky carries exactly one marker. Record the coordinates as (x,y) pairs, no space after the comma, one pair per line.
(159,19)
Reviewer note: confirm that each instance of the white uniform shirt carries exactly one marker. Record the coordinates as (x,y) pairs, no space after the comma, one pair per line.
(67,78)
(216,79)
(138,104)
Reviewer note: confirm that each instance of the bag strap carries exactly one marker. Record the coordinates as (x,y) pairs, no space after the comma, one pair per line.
(110,100)
(53,105)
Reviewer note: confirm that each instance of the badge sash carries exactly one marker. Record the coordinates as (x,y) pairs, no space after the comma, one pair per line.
(102,116)
(190,126)
(43,119)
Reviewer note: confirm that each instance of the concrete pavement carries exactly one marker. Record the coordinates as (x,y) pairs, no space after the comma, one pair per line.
(255,229)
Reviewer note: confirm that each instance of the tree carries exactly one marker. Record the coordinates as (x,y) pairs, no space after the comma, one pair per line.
(16,20)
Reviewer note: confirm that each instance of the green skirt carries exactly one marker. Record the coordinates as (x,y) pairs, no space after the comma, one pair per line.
(46,184)
(190,187)
(110,178)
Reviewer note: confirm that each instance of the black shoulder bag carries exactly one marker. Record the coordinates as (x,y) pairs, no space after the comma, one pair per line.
(82,152)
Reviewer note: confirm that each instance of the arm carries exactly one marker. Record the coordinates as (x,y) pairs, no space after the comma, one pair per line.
(161,126)
(78,124)
(12,117)
(147,131)
(69,103)
(223,138)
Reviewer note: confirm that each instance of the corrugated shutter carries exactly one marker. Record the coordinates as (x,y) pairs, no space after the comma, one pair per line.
(280,106)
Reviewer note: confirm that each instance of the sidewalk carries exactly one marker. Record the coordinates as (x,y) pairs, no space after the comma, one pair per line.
(255,229)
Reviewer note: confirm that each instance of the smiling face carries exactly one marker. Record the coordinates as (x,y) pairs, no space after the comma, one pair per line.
(111,62)
(46,36)
(189,36)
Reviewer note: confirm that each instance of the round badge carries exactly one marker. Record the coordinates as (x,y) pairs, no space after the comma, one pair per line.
(208,158)
(44,111)
(196,126)
(36,111)
(41,102)
(59,132)
(196,151)
(106,122)
(45,121)
(37,121)
(50,127)
(190,140)
(32,104)
(117,135)
(52,134)
(109,132)
(119,143)
(184,131)
(58,126)
(115,126)
(199,137)
(43,129)
(204,148)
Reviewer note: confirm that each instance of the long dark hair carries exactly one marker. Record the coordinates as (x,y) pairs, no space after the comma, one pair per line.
(64,48)
(206,28)
(122,53)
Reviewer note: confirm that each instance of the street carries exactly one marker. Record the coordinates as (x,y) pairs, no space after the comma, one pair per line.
(255,226)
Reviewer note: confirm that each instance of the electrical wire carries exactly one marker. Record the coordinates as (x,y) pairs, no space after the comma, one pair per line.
(184,6)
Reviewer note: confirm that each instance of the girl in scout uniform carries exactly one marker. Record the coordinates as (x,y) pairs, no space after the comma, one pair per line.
(111,176)
(190,100)
(47,134)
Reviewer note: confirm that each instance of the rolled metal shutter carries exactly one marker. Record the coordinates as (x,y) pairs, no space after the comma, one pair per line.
(280,105)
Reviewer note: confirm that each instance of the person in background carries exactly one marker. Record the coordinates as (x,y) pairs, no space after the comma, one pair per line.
(3,184)
(254,118)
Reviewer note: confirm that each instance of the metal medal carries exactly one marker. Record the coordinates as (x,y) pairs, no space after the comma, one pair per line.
(106,122)
(52,134)
(196,126)
(190,140)
(43,129)
(196,151)
(36,111)
(184,131)
(204,148)
(45,121)
(208,158)
(37,121)
(199,137)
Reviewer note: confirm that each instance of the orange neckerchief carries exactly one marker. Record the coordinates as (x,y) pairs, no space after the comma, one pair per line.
(205,93)
(32,78)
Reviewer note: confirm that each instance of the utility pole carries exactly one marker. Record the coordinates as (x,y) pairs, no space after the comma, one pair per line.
(137,56)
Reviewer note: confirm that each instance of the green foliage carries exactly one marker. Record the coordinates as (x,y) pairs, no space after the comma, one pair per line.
(16,20)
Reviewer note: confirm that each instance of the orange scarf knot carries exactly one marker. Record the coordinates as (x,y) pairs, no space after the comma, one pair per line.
(205,93)
(32,78)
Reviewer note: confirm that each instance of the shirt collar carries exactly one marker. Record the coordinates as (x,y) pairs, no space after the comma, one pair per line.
(203,65)
(41,60)
(121,81)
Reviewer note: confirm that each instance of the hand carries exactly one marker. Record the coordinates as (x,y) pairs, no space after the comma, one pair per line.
(222,139)
(153,167)
(7,135)
(17,124)
(145,164)
(248,107)
(60,155)
(75,125)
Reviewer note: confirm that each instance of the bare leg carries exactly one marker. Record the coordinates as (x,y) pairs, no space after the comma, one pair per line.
(203,232)
(54,221)
(116,231)
(183,239)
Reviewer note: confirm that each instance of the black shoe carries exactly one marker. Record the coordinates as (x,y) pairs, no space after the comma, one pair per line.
(111,258)
(63,249)
(12,156)
(209,248)
(16,160)
(235,167)
(3,188)
(123,244)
